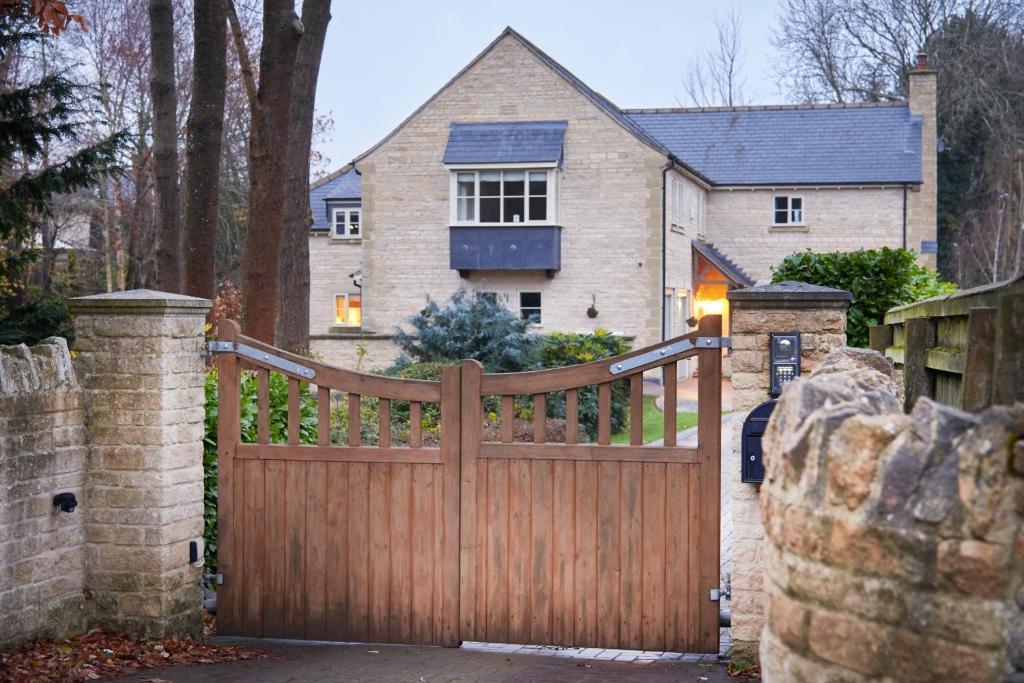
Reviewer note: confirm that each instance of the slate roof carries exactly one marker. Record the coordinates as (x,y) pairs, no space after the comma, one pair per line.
(342,186)
(725,264)
(505,142)
(792,145)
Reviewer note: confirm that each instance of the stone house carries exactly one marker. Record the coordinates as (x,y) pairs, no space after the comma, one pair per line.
(519,180)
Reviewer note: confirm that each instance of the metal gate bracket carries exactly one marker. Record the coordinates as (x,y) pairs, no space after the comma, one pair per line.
(263,357)
(715,594)
(668,351)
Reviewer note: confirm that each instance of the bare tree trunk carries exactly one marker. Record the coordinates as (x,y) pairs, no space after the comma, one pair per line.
(165,144)
(293,300)
(202,153)
(282,32)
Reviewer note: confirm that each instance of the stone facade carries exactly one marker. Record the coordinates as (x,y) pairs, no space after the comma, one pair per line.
(819,315)
(42,453)
(122,429)
(895,542)
(922,203)
(739,222)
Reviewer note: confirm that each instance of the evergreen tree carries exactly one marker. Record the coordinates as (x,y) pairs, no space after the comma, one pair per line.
(36,118)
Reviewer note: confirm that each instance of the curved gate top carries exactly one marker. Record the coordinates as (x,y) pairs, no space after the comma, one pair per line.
(407,511)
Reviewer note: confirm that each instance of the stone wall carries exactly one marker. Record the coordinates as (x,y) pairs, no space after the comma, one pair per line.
(819,315)
(42,453)
(122,429)
(895,542)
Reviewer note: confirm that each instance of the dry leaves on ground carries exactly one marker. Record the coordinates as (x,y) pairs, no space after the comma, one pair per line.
(95,655)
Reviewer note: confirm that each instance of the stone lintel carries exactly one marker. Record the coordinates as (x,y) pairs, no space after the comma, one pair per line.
(789,295)
(139,302)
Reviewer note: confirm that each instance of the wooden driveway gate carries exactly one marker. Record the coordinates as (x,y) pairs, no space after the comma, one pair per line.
(569,543)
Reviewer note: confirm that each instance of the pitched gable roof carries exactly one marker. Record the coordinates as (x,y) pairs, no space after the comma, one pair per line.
(797,145)
(344,185)
(726,265)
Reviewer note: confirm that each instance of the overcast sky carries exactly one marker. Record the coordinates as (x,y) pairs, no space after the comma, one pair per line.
(384,58)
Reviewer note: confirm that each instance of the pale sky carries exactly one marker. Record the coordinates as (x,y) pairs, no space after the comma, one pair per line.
(384,58)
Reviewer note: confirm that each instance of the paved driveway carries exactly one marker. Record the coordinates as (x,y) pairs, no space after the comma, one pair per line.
(314,662)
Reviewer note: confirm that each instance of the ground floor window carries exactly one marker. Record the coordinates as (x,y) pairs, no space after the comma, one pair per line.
(529,306)
(348,310)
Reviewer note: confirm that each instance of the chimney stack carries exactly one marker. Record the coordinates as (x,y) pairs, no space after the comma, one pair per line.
(923,205)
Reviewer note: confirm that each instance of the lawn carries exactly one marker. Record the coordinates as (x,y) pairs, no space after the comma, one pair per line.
(654,423)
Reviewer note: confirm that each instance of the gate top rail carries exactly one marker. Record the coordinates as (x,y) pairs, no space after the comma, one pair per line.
(256,353)
(606,370)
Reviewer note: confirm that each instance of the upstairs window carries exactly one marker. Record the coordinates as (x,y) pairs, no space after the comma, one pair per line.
(789,210)
(502,197)
(348,310)
(345,223)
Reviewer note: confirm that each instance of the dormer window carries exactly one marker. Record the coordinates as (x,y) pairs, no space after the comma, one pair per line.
(345,223)
(502,196)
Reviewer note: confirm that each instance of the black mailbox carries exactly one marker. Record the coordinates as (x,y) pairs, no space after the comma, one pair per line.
(752,466)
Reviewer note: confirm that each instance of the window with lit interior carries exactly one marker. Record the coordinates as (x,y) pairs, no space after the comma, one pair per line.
(348,310)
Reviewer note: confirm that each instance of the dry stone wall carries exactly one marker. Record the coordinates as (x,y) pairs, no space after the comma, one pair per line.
(895,543)
(42,452)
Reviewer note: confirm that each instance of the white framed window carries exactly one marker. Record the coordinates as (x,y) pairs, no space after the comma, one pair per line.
(503,196)
(530,307)
(788,210)
(346,222)
(348,309)
(677,201)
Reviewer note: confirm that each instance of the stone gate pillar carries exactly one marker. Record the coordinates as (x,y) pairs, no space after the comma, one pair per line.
(139,365)
(819,315)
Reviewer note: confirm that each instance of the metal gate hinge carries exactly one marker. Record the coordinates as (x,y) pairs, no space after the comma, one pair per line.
(715,594)
(668,351)
(216,578)
(255,354)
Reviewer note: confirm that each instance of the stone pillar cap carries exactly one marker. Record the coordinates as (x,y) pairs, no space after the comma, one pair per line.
(790,294)
(140,302)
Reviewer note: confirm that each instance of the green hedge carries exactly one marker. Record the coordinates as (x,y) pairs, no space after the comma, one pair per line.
(879,279)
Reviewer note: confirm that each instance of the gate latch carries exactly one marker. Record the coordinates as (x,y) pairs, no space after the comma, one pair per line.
(715,594)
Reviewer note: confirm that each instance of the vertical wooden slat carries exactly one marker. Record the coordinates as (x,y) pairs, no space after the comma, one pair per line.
(274,555)
(709,451)
(572,416)
(359,551)
(608,554)
(228,432)
(451,433)
(384,423)
(586,554)
(354,432)
(316,551)
(604,413)
(677,533)
(693,578)
(563,607)
(262,405)
(323,416)
(295,549)
(497,551)
(482,567)
(415,424)
(508,418)
(424,528)
(1009,351)
(336,596)
(444,615)
(636,410)
(978,380)
(880,337)
(471,434)
(293,411)
(631,560)
(519,542)
(400,593)
(541,564)
(917,379)
(540,418)
(380,552)
(669,373)
(254,548)
(653,548)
